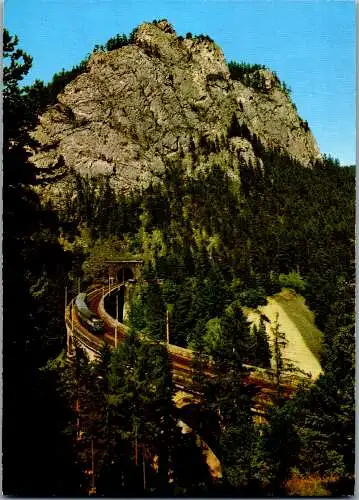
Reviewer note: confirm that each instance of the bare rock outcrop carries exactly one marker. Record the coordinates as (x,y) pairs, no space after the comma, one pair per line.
(137,106)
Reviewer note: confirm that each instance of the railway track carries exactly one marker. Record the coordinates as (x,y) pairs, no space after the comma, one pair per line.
(179,357)
(180,361)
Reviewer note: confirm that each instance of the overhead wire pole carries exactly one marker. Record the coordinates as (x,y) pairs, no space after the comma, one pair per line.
(72,330)
(109,285)
(67,330)
(143,467)
(77,384)
(116,320)
(72,318)
(136,449)
(93,467)
(167,327)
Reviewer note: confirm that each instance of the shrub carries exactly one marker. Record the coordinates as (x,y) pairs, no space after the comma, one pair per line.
(292,280)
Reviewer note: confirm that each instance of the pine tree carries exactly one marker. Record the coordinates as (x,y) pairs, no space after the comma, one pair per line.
(325,413)
(280,445)
(17,64)
(33,314)
(232,400)
(279,342)
(200,358)
(261,349)
(155,312)
(140,404)
(182,317)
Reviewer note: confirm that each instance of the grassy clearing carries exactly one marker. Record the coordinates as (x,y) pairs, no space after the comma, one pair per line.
(294,306)
(296,321)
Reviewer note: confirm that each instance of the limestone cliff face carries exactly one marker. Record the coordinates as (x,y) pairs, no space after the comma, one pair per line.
(146,102)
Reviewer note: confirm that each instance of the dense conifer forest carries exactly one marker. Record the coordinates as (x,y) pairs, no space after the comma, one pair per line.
(219,242)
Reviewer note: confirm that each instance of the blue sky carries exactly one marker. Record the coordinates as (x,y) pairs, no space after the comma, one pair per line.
(310,44)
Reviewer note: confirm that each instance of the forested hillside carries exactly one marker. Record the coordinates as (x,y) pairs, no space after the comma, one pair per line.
(220,235)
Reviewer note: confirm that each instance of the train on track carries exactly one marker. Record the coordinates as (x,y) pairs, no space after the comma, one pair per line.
(86,316)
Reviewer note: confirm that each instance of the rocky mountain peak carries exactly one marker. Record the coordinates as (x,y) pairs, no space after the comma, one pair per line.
(137,106)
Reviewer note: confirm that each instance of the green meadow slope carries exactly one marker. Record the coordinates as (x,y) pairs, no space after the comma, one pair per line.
(304,339)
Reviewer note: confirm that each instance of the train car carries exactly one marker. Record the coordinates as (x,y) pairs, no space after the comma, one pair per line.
(87,317)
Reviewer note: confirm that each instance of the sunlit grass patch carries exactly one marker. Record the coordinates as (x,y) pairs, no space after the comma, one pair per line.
(298,312)
(309,486)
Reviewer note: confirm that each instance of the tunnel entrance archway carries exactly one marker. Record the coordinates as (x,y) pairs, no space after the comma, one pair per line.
(123,270)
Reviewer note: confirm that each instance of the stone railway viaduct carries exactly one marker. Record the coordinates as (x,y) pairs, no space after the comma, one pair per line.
(121,275)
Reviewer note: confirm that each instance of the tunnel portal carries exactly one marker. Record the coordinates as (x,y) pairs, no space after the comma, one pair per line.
(120,271)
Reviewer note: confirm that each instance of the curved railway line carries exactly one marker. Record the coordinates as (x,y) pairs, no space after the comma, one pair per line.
(180,358)
(181,364)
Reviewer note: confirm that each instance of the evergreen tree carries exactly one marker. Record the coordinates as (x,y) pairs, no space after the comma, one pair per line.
(261,349)
(182,321)
(155,311)
(232,400)
(17,64)
(325,414)
(33,310)
(280,446)
(140,404)
(200,358)
(279,342)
